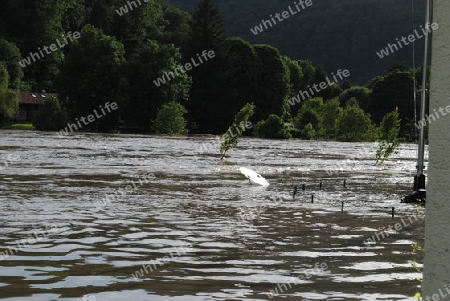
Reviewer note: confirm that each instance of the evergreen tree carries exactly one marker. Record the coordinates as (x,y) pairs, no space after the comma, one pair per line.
(207,33)
(207,30)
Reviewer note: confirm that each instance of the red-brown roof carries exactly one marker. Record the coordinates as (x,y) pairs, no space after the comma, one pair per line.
(34,97)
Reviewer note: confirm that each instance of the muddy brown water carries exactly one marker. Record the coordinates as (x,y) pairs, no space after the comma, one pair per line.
(116,217)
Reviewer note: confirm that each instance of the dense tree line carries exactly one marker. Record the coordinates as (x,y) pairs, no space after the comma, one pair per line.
(331,33)
(155,60)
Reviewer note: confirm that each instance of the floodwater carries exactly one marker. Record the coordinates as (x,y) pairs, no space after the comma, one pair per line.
(117,217)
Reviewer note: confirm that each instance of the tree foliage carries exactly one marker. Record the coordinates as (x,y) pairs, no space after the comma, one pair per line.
(92,76)
(119,57)
(361,94)
(50,116)
(150,62)
(10,55)
(388,132)
(208,89)
(235,131)
(331,113)
(170,119)
(355,125)
(9,99)
(273,128)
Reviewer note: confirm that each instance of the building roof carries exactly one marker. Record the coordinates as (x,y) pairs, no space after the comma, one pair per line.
(34,97)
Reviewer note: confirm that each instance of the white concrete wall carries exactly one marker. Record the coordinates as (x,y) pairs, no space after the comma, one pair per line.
(436,284)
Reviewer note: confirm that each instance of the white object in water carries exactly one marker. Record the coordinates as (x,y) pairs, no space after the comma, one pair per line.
(253,176)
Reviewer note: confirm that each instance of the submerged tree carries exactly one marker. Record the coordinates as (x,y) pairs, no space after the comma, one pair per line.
(389,141)
(234,132)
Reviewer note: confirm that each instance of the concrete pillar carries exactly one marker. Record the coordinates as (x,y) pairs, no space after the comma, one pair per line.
(436,285)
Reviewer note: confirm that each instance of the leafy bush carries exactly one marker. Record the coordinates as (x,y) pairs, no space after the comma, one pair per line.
(273,127)
(170,119)
(50,117)
(308,132)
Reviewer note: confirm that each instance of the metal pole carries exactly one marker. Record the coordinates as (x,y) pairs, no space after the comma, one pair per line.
(421,150)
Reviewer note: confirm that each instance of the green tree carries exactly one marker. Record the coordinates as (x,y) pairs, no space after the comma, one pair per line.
(308,132)
(388,132)
(9,99)
(331,112)
(296,82)
(273,82)
(234,132)
(10,55)
(239,84)
(395,90)
(207,30)
(361,94)
(51,116)
(177,28)
(170,119)
(92,75)
(307,116)
(309,113)
(355,125)
(146,93)
(309,72)
(273,128)
(47,16)
(209,86)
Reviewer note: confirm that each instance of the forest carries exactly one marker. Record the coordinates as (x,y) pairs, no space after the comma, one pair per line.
(170,71)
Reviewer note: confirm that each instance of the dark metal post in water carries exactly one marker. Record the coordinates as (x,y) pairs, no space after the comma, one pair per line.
(419,193)
(393,212)
(342,207)
(419,181)
(312,198)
